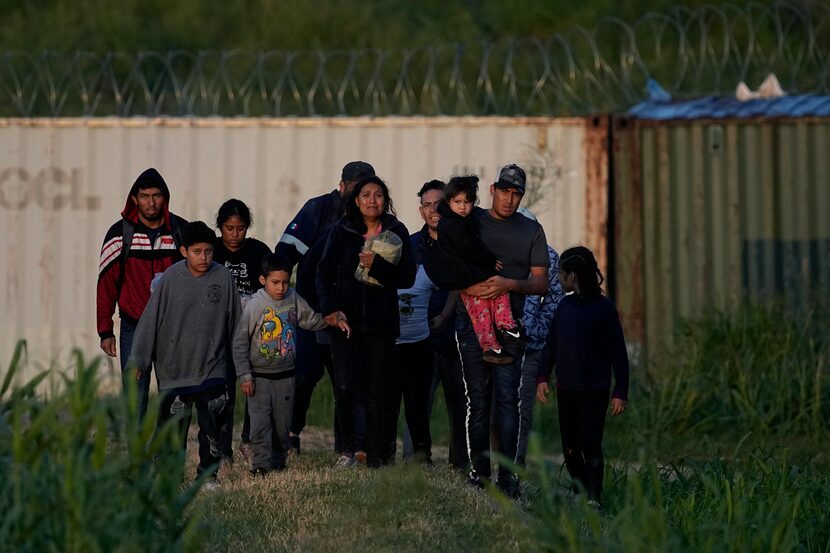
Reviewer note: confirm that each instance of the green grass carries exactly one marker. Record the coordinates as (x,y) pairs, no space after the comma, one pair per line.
(724,448)
(314,507)
(756,502)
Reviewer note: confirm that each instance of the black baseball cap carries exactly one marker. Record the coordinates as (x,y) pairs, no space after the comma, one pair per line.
(511,176)
(356,170)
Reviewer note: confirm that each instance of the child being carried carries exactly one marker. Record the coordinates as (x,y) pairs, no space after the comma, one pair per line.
(463,260)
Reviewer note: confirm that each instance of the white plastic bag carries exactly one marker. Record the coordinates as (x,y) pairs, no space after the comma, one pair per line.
(386,244)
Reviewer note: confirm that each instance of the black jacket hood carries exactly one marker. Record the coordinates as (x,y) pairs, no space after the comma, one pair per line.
(150,178)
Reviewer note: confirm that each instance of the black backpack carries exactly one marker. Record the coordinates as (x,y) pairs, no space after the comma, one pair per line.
(127,232)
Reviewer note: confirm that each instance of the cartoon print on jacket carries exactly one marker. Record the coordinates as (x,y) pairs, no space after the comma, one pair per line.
(276,337)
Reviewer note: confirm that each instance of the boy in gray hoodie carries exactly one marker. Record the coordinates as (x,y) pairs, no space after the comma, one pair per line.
(264,351)
(186,332)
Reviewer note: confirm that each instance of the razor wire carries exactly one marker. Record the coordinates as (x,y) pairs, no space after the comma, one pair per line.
(691,53)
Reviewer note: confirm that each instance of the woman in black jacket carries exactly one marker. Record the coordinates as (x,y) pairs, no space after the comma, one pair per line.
(372,313)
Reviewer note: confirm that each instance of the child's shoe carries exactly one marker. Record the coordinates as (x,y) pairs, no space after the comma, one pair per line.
(497,357)
(211,485)
(360,456)
(514,337)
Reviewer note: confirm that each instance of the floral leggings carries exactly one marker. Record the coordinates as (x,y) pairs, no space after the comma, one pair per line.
(487,316)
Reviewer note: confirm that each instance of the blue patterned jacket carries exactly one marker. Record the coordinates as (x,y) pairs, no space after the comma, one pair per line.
(539,310)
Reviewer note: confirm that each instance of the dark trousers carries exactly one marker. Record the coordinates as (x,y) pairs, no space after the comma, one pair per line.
(210,410)
(448,364)
(366,362)
(416,366)
(127,332)
(581,423)
(490,389)
(226,424)
(312,361)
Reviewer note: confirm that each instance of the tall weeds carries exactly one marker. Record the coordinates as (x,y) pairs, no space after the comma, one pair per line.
(755,372)
(757,503)
(79,473)
(758,370)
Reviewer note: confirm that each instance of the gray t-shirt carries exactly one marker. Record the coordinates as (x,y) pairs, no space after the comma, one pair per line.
(519,243)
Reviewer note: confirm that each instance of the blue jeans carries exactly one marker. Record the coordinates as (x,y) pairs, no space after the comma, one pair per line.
(126,345)
(491,389)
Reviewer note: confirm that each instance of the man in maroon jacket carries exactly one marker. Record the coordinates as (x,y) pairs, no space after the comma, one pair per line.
(136,248)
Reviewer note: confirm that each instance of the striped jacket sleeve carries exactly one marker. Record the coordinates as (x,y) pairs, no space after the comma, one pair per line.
(109,271)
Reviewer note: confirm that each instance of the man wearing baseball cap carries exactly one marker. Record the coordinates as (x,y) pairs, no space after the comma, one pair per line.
(302,243)
(520,244)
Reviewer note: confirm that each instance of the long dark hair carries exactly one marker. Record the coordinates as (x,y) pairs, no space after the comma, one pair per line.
(353,214)
(234,207)
(581,261)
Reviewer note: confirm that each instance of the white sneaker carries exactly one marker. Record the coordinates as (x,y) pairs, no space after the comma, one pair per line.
(211,486)
(345,462)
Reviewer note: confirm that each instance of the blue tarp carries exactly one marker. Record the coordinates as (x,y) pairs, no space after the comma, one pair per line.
(660,106)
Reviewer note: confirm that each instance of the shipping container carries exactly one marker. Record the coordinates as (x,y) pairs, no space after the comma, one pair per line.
(710,211)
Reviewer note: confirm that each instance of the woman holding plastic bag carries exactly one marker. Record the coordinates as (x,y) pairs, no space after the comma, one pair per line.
(367,258)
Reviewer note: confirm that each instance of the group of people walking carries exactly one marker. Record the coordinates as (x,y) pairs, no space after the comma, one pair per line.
(475,300)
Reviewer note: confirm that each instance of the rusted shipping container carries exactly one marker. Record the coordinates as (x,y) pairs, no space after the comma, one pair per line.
(709,212)
(63,182)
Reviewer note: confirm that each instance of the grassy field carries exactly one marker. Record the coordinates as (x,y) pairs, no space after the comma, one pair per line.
(314,507)
(724,448)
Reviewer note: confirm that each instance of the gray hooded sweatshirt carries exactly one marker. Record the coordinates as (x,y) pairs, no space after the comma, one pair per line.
(188,326)
(265,340)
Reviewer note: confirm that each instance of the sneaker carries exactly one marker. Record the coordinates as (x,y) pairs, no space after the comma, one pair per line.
(596,505)
(360,456)
(211,485)
(260,472)
(345,462)
(509,485)
(294,442)
(475,480)
(512,336)
(245,450)
(497,357)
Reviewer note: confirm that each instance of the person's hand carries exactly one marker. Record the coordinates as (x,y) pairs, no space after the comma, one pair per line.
(499,265)
(617,406)
(367,257)
(542,392)
(108,346)
(493,287)
(138,373)
(248,388)
(437,323)
(343,325)
(333,318)
(476,289)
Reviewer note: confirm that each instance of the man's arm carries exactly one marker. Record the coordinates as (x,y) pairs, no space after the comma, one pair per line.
(497,285)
